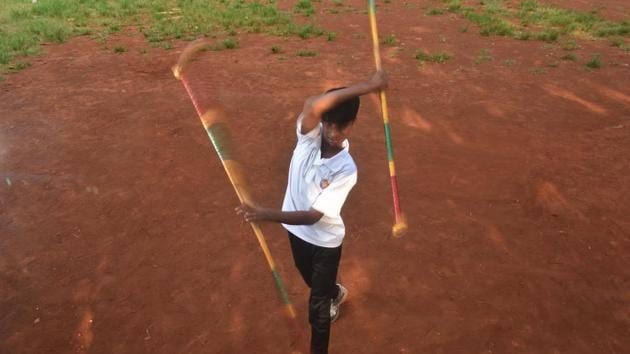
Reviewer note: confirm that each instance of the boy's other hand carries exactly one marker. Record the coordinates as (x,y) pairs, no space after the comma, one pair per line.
(251,214)
(379,79)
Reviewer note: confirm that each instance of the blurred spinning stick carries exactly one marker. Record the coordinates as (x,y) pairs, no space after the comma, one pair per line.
(214,125)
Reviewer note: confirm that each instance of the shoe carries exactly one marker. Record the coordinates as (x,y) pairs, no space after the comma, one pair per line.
(334,303)
(334,312)
(341,297)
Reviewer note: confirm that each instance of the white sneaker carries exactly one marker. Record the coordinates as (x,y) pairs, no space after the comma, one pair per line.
(334,303)
(342,296)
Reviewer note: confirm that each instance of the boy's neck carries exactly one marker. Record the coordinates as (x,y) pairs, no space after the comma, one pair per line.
(329,151)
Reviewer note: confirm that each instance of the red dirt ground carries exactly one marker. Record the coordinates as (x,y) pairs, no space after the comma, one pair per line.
(117,223)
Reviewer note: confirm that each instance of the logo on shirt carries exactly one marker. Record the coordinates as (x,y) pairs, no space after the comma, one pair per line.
(324,183)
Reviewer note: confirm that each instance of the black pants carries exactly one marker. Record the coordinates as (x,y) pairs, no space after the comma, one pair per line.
(318,266)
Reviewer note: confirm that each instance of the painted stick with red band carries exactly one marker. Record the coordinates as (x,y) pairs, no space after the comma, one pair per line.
(400,222)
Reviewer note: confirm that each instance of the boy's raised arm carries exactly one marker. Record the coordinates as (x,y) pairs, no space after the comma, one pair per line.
(315,106)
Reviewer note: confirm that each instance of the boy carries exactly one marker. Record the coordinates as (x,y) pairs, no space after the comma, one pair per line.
(321,175)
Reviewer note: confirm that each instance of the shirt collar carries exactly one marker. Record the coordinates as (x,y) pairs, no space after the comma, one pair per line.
(320,161)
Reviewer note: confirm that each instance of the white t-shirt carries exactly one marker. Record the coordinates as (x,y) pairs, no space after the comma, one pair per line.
(319,183)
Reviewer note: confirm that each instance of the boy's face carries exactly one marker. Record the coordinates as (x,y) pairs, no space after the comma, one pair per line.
(335,136)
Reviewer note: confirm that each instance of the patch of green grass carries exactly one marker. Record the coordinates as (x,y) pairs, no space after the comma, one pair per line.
(169,45)
(453,5)
(570,56)
(489,25)
(617,42)
(119,49)
(522,35)
(439,57)
(595,62)
(390,39)
(528,19)
(305,7)
(464,29)
(330,36)
(229,43)
(547,35)
(540,71)
(565,21)
(24,25)
(570,45)
(276,49)
(489,17)
(436,11)
(223,44)
(20,65)
(607,29)
(509,62)
(306,53)
(483,56)
(339,7)
(308,31)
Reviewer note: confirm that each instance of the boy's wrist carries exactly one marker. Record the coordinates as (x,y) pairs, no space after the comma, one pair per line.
(373,86)
(378,80)
(271,215)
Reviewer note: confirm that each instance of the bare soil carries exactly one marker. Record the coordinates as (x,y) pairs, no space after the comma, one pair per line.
(116,219)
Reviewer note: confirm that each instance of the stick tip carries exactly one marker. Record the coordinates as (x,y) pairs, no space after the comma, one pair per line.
(177,71)
(400,227)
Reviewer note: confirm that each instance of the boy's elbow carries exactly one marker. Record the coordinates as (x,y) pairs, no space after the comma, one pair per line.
(316,105)
(309,104)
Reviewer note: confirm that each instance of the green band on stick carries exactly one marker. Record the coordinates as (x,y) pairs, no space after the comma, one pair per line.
(219,135)
(280,287)
(388,141)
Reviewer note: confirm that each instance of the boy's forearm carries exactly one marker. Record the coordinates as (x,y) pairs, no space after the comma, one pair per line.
(292,217)
(331,99)
(315,106)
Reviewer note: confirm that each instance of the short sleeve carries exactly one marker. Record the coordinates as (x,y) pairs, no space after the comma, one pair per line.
(308,137)
(332,198)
